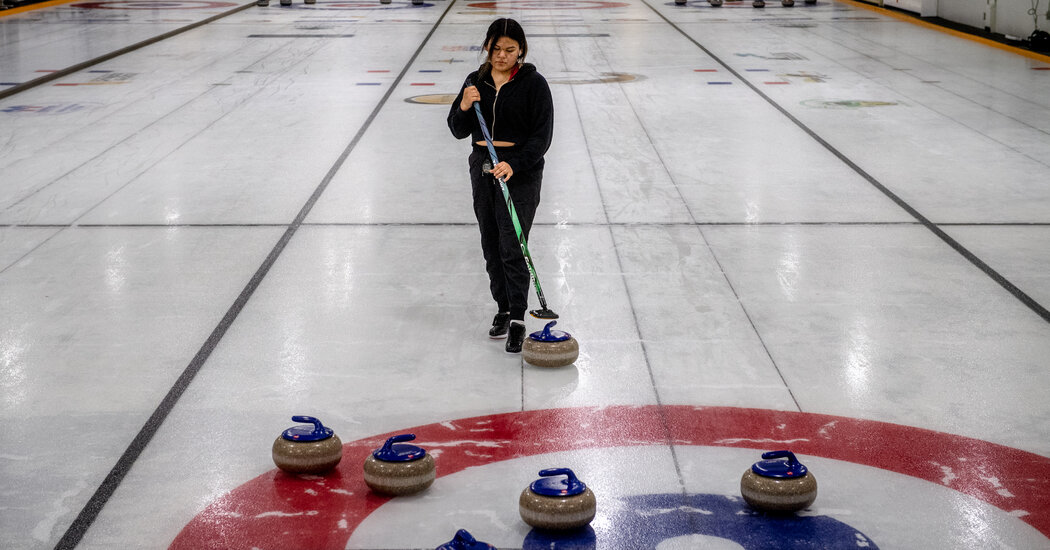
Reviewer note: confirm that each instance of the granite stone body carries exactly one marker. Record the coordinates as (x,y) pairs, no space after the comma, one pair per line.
(399,478)
(550,354)
(550,348)
(778,494)
(557,513)
(307,457)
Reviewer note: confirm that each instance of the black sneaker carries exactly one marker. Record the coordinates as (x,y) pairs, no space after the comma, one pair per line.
(500,323)
(516,337)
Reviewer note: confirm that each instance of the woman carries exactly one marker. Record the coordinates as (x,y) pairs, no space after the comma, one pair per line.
(518,110)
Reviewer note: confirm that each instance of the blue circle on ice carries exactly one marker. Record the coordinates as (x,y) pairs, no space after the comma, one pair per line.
(643,522)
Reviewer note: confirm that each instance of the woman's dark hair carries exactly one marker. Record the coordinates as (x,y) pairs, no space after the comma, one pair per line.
(499,28)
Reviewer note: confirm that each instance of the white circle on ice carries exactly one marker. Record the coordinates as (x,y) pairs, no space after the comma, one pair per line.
(692,542)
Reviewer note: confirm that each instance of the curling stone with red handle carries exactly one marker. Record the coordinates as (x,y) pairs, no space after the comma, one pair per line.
(465,541)
(307,449)
(557,503)
(550,348)
(399,469)
(775,485)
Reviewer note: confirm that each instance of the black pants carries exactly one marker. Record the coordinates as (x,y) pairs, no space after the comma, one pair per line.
(509,278)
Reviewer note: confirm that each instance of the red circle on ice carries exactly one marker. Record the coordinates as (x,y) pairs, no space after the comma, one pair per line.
(547,5)
(273,511)
(147,5)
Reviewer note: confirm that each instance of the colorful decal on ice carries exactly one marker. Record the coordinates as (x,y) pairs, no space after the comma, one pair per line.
(432,99)
(778,56)
(806,76)
(846,103)
(106,78)
(48,108)
(584,78)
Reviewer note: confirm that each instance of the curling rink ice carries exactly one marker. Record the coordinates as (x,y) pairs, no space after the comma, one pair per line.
(823,228)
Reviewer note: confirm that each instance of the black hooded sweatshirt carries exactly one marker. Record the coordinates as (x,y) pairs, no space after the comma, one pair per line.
(522,112)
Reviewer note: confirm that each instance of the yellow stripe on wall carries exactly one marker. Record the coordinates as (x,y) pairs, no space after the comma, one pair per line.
(32,7)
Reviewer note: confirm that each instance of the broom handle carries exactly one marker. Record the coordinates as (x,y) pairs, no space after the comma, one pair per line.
(510,208)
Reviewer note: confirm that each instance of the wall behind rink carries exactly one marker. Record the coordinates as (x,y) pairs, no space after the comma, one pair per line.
(1007,17)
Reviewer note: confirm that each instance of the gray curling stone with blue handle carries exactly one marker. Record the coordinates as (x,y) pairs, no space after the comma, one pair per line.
(557,503)
(550,348)
(397,468)
(777,485)
(313,449)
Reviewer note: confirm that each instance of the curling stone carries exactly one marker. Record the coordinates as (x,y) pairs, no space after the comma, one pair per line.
(679,2)
(307,449)
(775,485)
(556,503)
(399,469)
(715,3)
(550,348)
(787,3)
(759,3)
(465,541)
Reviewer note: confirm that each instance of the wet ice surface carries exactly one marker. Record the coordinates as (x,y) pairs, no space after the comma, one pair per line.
(709,232)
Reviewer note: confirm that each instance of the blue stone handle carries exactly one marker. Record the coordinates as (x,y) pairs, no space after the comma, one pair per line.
(318,427)
(557,472)
(546,334)
(388,446)
(790,456)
